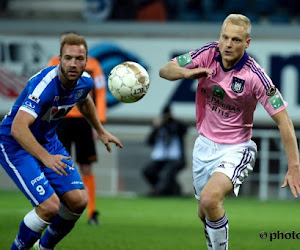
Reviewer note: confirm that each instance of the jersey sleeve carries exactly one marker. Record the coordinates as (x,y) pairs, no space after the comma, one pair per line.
(267,94)
(37,95)
(197,58)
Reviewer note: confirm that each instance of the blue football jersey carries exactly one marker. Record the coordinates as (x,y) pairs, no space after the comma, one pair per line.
(48,101)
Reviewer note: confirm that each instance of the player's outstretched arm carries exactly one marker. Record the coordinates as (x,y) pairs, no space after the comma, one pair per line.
(107,137)
(289,141)
(172,71)
(88,110)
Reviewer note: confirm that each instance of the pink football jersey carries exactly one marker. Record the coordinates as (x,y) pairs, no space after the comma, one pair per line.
(227,99)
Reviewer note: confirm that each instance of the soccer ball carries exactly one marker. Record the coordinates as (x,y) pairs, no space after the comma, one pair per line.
(128,82)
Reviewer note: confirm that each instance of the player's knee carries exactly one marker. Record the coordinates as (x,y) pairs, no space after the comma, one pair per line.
(81,204)
(208,201)
(78,203)
(48,209)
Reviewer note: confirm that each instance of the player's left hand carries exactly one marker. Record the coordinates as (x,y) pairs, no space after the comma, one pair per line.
(107,137)
(292,178)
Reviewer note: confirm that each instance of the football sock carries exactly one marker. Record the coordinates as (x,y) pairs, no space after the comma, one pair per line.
(218,233)
(208,242)
(60,226)
(90,184)
(30,231)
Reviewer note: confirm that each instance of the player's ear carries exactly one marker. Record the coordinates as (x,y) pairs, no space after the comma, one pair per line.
(248,42)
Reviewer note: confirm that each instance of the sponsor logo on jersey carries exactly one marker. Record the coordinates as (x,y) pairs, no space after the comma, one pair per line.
(218,92)
(184,59)
(276,101)
(271,91)
(34,98)
(77,182)
(57,98)
(56,112)
(237,85)
(29,105)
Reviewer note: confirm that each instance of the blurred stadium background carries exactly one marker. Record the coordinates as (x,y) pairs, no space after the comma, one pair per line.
(152,32)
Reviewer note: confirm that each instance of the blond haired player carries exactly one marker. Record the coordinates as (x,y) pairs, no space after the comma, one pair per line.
(75,129)
(230,84)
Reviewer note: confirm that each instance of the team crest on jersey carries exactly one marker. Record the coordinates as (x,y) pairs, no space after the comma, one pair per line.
(237,85)
(271,91)
(78,94)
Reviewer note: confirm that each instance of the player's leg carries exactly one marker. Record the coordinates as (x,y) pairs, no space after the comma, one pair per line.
(211,204)
(213,236)
(235,163)
(35,222)
(70,210)
(219,170)
(26,172)
(201,175)
(201,215)
(205,158)
(73,200)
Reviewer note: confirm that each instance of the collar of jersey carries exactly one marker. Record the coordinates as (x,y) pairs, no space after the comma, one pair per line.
(238,66)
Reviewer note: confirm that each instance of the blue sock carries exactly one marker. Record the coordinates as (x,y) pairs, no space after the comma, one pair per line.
(58,229)
(25,238)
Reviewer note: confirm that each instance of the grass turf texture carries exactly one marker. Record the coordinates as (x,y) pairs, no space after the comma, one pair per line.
(163,223)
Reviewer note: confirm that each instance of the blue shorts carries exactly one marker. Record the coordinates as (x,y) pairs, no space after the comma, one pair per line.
(32,177)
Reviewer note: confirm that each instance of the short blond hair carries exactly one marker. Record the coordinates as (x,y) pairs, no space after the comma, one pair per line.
(241,20)
(73,39)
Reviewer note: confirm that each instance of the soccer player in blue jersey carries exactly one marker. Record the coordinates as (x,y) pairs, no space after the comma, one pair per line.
(33,156)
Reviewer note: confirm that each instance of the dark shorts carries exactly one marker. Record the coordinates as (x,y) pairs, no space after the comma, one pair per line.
(78,132)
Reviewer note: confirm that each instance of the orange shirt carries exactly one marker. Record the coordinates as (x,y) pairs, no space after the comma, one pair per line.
(98,93)
(154,11)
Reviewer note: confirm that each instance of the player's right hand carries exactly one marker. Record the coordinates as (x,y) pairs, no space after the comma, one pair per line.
(197,73)
(55,163)
(292,178)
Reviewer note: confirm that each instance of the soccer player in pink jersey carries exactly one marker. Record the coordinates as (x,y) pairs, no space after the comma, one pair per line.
(230,84)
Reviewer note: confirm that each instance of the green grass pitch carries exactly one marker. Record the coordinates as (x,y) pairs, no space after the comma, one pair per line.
(142,223)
